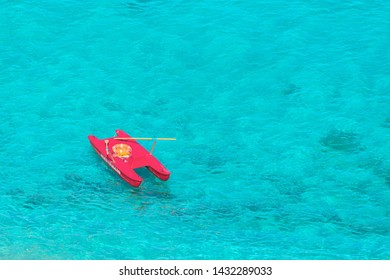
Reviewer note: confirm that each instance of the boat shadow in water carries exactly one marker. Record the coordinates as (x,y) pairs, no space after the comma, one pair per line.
(151,186)
(81,189)
(74,181)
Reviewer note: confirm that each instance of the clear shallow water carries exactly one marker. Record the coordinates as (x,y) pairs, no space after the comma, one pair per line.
(281,111)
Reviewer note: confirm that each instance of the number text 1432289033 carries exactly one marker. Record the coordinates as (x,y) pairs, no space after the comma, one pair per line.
(242,270)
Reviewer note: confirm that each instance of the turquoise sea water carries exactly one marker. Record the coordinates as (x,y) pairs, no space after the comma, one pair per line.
(281,110)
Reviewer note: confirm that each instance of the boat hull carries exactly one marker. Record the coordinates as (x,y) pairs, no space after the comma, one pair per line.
(124,166)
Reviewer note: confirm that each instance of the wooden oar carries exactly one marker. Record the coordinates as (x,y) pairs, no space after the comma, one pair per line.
(154,145)
(106,141)
(107,152)
(144,138)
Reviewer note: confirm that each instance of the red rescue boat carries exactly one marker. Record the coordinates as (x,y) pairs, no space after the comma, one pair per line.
(124,154)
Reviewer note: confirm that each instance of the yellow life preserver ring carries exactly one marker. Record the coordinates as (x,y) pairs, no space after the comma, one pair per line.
(122,150)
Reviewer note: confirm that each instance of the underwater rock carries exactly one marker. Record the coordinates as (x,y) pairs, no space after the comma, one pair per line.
(379,167)
(386,123)
(293,188)
(387,180)
(203,155)
(368,228)
(291,89)
(73,177)
(135,7)
(15,192)
(112,106)
(144,5)
(341,141)
(36,200)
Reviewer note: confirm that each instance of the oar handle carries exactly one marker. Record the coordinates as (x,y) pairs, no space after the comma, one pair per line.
(106,141)
(144,138)
(107,152)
